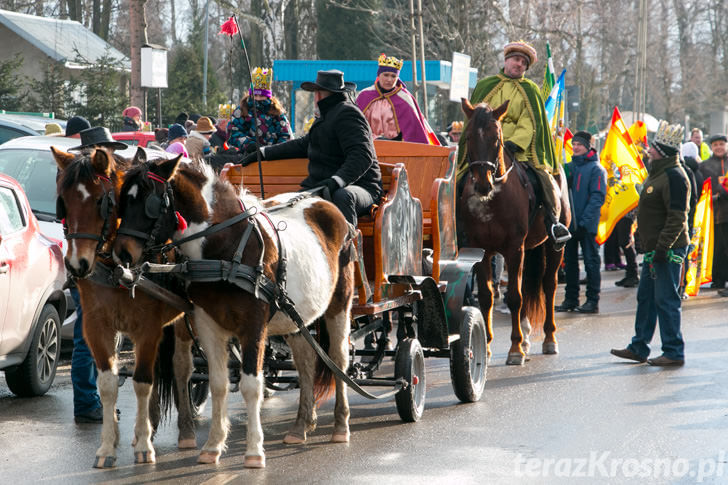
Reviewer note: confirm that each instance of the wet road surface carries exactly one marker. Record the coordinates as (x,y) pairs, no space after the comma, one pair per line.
(582,416)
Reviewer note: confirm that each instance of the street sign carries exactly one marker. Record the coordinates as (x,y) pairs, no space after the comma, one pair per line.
(460,76)
(154,67)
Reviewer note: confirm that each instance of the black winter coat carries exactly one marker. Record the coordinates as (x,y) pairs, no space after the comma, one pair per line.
(339,143)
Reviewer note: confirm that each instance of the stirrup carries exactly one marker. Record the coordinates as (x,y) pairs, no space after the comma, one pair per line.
(565,234)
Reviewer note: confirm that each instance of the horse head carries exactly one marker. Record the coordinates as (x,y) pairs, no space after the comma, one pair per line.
(157,199)
(484,144)
(88,186)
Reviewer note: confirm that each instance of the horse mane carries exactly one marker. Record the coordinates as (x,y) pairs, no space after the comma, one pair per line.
(482,117)
(81,169)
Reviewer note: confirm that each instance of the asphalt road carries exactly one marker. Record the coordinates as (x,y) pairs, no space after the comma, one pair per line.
(582,416)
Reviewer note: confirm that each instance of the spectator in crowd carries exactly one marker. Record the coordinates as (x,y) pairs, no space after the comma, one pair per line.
(75,126)
(176,133)
(588,185)
(132,119)
(715,168)
(696,136)
(273,125)
(625,240)
(178,148)
(390,109)
(198,143)
(662,222)
(181,119)
(53,129)
(218,140)
(454,130)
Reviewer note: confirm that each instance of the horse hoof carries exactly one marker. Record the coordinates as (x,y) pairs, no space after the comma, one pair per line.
(292,439)
(550,348)
(254,462)
(515,359)
(187,444)
(104,462)
(340,438)
(209,457)
(144,457)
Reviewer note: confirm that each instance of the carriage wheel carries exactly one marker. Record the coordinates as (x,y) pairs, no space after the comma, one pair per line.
(469,357)
(409,364)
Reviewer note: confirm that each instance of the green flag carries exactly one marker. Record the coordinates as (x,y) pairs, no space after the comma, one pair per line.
(549,78)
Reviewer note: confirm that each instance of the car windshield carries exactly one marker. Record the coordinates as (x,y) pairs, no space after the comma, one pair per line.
(36,171)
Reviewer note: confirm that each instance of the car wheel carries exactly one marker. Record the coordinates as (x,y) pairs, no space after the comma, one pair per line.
(35,375)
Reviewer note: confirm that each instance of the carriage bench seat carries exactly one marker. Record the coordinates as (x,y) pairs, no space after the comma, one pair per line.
(421,173)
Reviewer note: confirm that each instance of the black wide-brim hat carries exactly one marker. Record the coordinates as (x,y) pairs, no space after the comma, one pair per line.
(98,136)
(332,80)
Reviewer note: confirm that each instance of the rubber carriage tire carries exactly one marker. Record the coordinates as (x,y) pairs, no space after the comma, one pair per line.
(197,391)
(469,357)
(409,364)
(34,376)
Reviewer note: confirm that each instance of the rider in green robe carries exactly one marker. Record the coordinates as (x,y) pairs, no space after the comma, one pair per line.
(526,131)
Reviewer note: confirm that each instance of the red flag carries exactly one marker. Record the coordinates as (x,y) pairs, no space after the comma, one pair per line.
(230,27)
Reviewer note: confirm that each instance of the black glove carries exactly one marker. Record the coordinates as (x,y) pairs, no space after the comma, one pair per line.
(251,157)
(512,147)
(660,256)
(330,186)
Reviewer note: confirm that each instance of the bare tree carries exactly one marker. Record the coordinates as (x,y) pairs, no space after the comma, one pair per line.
(137,38)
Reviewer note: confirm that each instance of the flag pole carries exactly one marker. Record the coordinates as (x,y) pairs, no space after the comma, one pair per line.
(255,111)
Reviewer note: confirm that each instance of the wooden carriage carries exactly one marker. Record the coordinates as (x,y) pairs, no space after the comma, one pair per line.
(409,264)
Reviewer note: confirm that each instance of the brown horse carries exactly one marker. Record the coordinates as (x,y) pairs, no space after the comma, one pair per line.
(494,208)
(88,186)
(308,234)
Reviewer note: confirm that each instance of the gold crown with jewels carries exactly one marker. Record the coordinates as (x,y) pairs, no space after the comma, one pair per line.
(669,135)
(262,78)
(391,62)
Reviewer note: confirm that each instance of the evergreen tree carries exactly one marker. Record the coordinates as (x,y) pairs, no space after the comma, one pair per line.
(185,85)
(10,83)
(346,32)
(102,97)
(52,93)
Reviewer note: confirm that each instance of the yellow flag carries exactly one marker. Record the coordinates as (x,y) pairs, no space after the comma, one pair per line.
(638,132)
(700,259)
(625,172)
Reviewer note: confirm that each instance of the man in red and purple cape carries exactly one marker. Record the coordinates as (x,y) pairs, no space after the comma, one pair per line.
(391,110)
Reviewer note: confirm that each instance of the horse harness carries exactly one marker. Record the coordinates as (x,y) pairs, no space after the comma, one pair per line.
(106,208)
(248,278)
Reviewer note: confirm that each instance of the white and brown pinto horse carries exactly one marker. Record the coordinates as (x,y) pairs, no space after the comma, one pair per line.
(88,186)
(319,274)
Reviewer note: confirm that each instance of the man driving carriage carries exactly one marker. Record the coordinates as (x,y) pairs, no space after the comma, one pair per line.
(526,132)
(339,148)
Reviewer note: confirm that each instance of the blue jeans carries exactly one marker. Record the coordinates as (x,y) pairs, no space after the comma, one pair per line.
(658,299)
(592,264)
(83,368)
(352,201)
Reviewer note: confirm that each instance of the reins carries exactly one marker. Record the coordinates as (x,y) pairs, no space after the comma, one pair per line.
(107,207)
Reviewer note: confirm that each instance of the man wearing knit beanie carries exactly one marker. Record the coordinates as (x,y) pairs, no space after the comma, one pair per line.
(76,125)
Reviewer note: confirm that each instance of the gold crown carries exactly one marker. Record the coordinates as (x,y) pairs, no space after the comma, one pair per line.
(669,135)
(391,62)
(225,111)
(262,78)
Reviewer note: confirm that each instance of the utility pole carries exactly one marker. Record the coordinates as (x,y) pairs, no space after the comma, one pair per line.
(414,50)
(204,62)
(422,59)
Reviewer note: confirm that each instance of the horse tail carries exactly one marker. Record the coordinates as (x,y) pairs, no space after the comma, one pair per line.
(164,371)
(534,301)
(323,385)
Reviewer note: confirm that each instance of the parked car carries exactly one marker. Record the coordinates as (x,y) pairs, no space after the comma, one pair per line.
(30,161)
(134,138)
(16,125)
(31,295)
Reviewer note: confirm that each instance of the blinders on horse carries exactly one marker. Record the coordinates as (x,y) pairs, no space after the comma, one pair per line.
(157,207)
(106,207)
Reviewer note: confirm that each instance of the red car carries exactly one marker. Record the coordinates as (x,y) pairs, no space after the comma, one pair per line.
(31,295)
(134,138)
